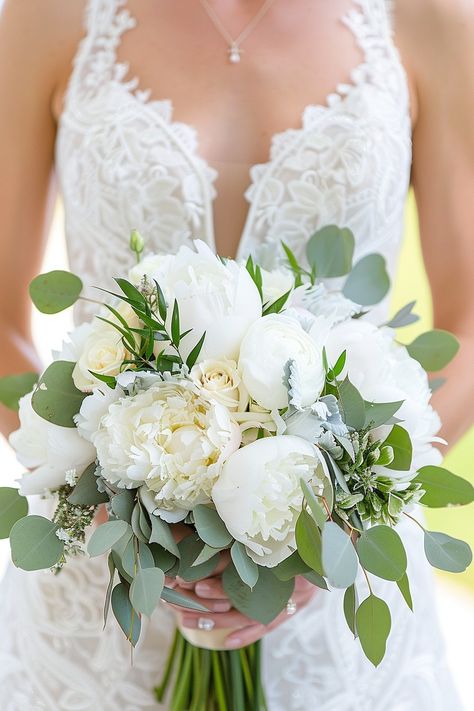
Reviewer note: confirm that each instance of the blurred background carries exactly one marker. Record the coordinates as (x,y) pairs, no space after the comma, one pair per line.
(455,592)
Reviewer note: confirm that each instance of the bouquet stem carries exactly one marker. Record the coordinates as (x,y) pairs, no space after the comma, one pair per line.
(212,680)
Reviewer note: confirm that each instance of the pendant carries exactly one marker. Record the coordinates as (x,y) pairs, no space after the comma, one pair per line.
(234,54)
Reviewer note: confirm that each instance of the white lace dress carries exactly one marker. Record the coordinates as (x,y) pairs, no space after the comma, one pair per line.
(123,163)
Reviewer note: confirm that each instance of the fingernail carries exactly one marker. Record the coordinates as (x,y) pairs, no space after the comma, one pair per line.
(188,621)
(233,642)
(221,606)
(202,588)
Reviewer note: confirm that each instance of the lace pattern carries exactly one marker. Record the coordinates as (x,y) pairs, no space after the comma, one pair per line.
(124,163)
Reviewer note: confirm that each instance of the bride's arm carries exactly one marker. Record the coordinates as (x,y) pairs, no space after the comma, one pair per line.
(31,52)
(438,39)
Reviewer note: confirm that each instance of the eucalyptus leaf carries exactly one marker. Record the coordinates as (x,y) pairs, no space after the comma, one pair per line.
(400,441)
(404,587)
(86,493)
(381,552)
(108,594)
(34,543)
(189,549)
(176,598)
(315,579)
(442,488)
(447,553)
(308,540)
(436,383)
(163,558)
(161,533)
(434,349)
(339,558)
(206,554)
(55,291)
(330,251)
(373,624)
(264,601)
(146,589)
(291,567)
(352,405)
(319,514)
(56,398)
(368,283)
(246,568)
(378,413)
(123,505)
(14,387)
(13,506)
(126,616)
(105,536)
(211,527)
(404,317)
(350,606)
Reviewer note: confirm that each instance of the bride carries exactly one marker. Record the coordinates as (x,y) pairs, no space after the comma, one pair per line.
(241,123)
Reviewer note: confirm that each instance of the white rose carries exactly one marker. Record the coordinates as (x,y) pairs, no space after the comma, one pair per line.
(269,344)
(213,297)
(171,437)
(259,497)
(221,379)
(383,371)
(103,351)
(49,450)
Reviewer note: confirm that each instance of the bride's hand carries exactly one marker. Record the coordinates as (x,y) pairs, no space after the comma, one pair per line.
(210,593)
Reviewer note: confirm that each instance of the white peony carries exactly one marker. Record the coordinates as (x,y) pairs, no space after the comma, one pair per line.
(172,437)
(275,284)
(216,298)
(269,344)
(154,266)
(383,371)
(49,450)
(259,495)
(221,379)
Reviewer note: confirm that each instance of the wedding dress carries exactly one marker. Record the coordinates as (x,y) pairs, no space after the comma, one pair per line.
(123,162)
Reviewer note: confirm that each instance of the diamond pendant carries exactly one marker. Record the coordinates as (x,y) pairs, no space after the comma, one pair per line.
(234,54)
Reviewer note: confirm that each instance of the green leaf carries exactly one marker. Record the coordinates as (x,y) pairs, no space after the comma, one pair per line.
(189,549)
(434,349)
(276,306)
(436,383)
(162,307)
(161,533)
(330,251)
(264,601)
(378,413)
(146,589)
(164,560)
(340,363)
(404,317)
(442,488)
(207,552)
(373,624)
(34,543)
(308,540)
(381,552)
(13,506)
(291,567)
(55,291)
(56,398)
(400,441)
(339,558)
(175,327)
(131,291)
(123,504)
(194,354)
(108,594)
(316,579)
(105,536)
(350,607)
(319,514)
(368,283)
(86,493)
(14,387)
(140,525)
(447,553)
(126,616)
(176,598)
(246,568)
(352,405)
(211,527)
(404,587)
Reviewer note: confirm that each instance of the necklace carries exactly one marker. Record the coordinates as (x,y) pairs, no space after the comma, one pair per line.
(235,50)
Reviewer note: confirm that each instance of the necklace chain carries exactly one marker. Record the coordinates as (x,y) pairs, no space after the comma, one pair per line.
(235,43)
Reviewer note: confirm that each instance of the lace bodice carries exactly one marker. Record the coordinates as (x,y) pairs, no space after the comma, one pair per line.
(123,162)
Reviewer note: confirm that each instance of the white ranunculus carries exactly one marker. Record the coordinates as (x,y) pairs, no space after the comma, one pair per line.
(269,344)
(383,371)
(172,437)
(259,497)
(49,450)
(103,351)
(216,298)
(221,379)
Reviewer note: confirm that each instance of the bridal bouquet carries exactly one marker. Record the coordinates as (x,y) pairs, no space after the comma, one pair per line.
(262,410)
